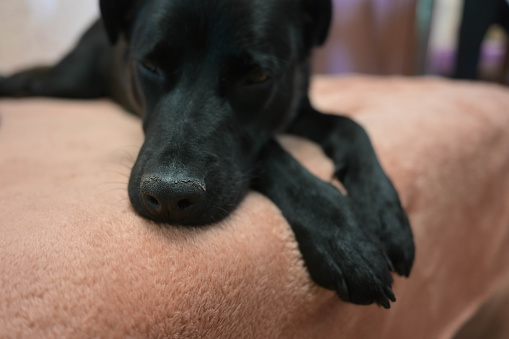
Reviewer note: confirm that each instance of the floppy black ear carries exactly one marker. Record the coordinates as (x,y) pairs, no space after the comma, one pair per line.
(317,20)
(116,16)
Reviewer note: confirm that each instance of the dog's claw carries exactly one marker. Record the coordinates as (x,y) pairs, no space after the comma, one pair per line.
(403,269)
(390,265)
(390,293)
(342,290)
(384,302)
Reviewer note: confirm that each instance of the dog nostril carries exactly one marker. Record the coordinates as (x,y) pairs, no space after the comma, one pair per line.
(152,200)
(184,204)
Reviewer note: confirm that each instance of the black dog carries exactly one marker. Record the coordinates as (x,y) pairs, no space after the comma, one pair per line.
(477,18)
(214,82)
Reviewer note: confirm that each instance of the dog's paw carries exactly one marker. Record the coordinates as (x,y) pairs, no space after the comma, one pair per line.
(396,235)
(25,83)
(16,85)
(2,84)
(376,204)
(341,254)
(354,266)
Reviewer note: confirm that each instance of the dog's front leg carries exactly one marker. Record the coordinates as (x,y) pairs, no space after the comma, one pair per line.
(374,200)
(340,254)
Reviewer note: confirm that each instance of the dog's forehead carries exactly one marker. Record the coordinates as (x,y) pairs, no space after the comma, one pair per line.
(228,24)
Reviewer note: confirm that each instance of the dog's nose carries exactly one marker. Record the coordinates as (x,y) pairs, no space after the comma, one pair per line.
(177,201)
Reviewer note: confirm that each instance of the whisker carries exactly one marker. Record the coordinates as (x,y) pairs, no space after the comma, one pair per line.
(128,166)
(114,183)
(122,155)
(125,175)
(116,189)
(119,201)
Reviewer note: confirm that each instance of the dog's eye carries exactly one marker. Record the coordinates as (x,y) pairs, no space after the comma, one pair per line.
(257,77)
(149,67)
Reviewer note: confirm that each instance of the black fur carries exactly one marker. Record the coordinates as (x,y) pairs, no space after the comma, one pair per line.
(214,82)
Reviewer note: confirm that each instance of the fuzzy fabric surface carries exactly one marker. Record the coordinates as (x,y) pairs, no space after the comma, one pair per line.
(77,262)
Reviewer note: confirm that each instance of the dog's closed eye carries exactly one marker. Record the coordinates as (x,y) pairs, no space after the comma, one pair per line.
(149,67)
(257,77)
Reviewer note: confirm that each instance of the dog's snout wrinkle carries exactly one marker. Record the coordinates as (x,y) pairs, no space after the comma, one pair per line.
(173,200)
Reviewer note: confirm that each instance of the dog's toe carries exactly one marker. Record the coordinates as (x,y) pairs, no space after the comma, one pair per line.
(354,266)
(397,238)
(383,216)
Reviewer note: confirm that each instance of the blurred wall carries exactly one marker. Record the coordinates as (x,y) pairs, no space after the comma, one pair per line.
(368,36)
(371,36)
(40,31)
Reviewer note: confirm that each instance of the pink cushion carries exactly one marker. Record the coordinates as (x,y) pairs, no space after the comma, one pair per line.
(76,261)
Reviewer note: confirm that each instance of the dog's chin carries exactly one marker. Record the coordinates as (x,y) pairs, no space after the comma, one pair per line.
(202,219)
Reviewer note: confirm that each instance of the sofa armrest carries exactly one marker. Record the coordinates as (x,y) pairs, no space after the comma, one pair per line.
(78,262)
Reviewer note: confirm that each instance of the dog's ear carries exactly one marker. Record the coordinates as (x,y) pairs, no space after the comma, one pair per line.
(116,16)
(317,21)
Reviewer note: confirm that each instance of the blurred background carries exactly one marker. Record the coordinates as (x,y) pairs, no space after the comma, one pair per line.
(383,37)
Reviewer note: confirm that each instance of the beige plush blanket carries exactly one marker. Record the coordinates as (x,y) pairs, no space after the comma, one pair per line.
(77,262)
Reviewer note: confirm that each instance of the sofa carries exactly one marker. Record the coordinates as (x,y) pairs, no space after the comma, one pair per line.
(78,262)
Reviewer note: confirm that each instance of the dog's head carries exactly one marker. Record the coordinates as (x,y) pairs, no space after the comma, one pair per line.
(213,80)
